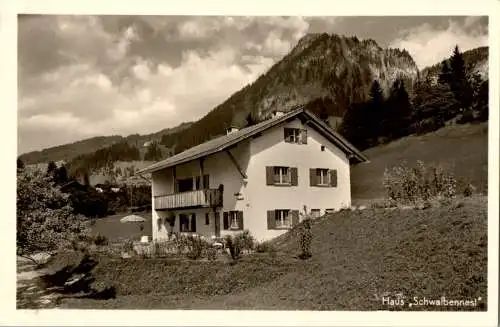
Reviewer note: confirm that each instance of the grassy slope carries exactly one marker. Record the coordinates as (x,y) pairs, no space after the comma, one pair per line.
(461,148)
(357,257)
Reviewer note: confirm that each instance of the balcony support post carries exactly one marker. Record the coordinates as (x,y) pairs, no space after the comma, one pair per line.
(201,161)
(174,179)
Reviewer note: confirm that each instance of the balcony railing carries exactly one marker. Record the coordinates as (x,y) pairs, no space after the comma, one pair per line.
(190,199)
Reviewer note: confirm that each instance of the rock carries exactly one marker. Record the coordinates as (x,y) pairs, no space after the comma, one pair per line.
(362,207)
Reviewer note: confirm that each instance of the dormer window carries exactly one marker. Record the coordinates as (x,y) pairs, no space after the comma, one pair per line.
(295,135)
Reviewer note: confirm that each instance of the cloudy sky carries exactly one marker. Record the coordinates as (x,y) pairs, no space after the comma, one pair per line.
(83,76)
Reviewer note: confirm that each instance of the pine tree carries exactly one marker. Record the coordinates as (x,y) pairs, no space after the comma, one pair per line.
(459,83)
(433,105)
(153,153)
(445,75)
(51,168)
(376,94)
(61,175)
(398,111)
(374,116)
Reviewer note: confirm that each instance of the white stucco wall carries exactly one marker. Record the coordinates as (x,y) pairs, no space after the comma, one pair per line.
(271,150)
(254,155)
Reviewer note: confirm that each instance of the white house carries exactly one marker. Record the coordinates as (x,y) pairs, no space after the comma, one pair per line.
(258,178)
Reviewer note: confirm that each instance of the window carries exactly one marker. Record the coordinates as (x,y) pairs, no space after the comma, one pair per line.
(233,220)
(187,222)
(295,135)
(281,175)
(329,211)
(323,177)
(207,218)
(283,219)
(315,213)
(322,148)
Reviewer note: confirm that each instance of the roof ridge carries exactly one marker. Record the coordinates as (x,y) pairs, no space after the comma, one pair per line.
(225,141)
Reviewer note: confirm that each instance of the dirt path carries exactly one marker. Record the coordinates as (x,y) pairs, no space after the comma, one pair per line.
(30,292)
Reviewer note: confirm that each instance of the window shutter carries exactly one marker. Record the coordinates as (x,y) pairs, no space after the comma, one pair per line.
(312,177)
(295,217)
(271,221)
(225,219)
(193,223)
(239,219)
(269,175)
(294,176)
(303,136)
(333,177)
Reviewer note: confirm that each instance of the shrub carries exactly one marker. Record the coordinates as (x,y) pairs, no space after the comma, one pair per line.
(469,190)
(245,240)
(466,117)
(305,238)
(195,246)
(239,242)
(410,185)
(211,253)
(234,247)
(100,240)
(128,245)
(179,242)
(45,219)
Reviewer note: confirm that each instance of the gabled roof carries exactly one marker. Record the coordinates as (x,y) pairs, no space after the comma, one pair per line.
(227,141)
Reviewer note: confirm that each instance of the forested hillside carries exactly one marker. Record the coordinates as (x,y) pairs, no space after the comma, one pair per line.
(375,94)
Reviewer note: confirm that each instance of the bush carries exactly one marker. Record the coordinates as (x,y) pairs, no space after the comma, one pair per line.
(305,238)
(195,246)
(410,185)
(100,240)
(466,117)
(469,190)
(239,242)
(234,247)
(211,253)
(245,240)
(45,219)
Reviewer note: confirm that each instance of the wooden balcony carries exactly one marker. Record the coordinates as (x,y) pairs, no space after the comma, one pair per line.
(192,199)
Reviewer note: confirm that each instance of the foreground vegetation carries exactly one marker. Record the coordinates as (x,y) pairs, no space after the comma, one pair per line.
(357,258)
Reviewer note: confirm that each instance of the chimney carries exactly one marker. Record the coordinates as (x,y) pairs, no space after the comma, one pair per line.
(277,114)
(231,129)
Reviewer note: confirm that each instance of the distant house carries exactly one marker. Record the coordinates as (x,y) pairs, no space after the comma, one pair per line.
(257,178)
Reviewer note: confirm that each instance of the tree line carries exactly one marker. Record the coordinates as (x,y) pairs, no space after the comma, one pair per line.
(459,93)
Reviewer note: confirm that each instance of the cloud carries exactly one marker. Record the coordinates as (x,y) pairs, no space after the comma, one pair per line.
(429,45)
(83,76)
